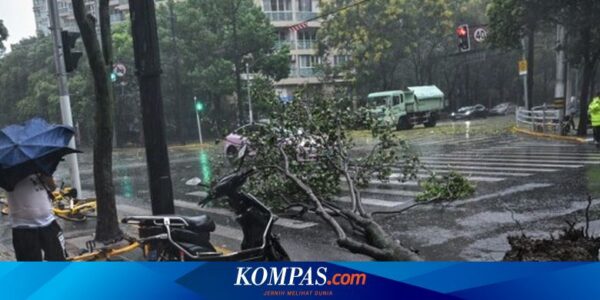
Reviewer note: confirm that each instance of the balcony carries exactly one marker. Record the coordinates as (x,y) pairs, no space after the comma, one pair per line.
(281,44)
(303,72)
(305,15)
(275,16)
(307,44)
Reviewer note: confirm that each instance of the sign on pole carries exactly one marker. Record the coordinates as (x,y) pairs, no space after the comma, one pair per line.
(119,70)
(480,35)
(523,67)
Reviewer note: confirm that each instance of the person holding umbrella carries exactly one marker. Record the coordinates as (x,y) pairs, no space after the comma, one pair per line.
(29,155)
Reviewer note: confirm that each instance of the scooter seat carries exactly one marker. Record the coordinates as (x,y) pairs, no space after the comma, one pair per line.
(202,223)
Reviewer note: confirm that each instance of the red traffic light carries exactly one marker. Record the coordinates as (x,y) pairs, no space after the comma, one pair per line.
(461,31)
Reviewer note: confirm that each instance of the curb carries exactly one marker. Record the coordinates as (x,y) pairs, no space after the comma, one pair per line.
(551,136)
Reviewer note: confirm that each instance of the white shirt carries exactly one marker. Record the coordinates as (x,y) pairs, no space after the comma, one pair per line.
(29,204)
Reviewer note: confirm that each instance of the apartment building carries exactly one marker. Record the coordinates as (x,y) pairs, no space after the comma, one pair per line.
(302,43)
(282,13)
(119,12)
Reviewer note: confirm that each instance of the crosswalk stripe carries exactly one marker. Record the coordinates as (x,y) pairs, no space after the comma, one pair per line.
(471,172)
(470,178)
(506,192)
(455,141)
(390,183)
(540,151)
(517,169)
(371,202)
(524,154)
(458,168)
(386,192)
(498,159)
(481,163)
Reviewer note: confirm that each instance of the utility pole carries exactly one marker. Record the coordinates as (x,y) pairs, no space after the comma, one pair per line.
(559,90)
(178,102)
(147,63)
(63,89)
(525,86)
(251,117)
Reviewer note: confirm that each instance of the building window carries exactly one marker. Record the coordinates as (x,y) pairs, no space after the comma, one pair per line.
(277,5)
(339,60)
(307,38)
(309,61)
(305,5)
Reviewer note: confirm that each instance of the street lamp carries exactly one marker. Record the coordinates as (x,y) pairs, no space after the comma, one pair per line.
(251,117)
(199,106)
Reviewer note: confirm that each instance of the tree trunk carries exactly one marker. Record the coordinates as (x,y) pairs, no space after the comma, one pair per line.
(588,67)
(530,63)
(107,227)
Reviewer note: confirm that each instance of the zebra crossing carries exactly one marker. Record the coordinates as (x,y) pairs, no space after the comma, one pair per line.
(516,161)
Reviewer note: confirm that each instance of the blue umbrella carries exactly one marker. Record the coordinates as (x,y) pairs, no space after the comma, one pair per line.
(30,148)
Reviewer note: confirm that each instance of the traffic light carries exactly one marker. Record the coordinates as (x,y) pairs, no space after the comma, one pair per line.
(464,38)
(199,106)
(71,57)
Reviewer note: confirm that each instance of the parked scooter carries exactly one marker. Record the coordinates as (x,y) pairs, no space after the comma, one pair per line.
(178,238)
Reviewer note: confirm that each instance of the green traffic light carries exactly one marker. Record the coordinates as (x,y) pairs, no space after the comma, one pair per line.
(199,106)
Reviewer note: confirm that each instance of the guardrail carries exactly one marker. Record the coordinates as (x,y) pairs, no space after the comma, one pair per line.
(541,119)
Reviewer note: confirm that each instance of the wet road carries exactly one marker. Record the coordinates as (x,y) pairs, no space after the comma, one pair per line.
(522,184)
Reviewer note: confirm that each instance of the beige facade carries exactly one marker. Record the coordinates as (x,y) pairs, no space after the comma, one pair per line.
(302,43)
(119,12)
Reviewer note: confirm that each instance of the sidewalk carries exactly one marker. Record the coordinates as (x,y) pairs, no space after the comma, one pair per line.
(570,138)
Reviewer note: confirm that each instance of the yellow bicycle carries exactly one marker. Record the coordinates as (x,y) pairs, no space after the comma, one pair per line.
(66,205)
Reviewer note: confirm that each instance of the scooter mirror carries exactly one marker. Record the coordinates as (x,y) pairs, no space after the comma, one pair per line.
(194,181)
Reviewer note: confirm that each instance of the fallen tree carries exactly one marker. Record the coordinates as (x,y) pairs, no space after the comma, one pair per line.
(308,154)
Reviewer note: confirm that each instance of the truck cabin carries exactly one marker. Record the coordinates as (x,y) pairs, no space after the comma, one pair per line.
(385,99)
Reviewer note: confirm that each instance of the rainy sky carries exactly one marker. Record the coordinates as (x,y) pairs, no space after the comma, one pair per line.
(18,19)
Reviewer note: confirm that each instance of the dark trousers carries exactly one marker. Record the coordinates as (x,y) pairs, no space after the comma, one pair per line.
(597,134)
(29,243)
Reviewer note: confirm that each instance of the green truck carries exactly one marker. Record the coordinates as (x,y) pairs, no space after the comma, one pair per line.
(405,109)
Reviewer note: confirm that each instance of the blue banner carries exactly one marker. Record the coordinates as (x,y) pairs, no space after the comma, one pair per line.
(300,280)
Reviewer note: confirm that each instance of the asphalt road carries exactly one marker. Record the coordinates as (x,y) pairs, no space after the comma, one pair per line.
(523,184)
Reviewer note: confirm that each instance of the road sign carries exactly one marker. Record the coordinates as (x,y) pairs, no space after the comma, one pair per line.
(120,70)
(523,67)
(480,35)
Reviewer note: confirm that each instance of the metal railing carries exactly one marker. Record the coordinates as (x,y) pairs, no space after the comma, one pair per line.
(541,119)
(307,44)
(280,15)
(305,15)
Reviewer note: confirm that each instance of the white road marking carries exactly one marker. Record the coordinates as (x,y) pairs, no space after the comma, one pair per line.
(469,172)
(386,192)
(506,192)
(458,168)
(372,202)
(483,163)
(498,159)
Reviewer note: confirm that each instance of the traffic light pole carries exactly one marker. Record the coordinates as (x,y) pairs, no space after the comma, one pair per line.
(198,120)
(525,86)
(63,88)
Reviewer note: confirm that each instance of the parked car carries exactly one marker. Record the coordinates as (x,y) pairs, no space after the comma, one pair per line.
(307,147)
(503,109)
(470,112)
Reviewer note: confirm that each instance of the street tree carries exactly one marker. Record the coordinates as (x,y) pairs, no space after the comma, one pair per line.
(217,37)
(307,154)
(580,18)
(100,62)
(405,34)
(514,20)
(3,36)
